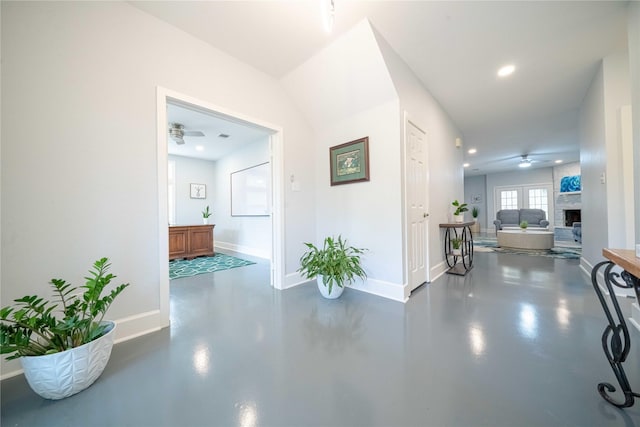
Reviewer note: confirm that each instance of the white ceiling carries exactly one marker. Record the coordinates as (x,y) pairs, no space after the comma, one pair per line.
(455,48)
(213,146)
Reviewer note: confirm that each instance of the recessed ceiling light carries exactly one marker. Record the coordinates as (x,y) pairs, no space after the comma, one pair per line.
(466,165)
(472,151)
(558,161)
(506,70)
(524,165)
(199,148)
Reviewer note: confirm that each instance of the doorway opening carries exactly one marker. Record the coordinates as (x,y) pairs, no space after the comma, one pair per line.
(272,138)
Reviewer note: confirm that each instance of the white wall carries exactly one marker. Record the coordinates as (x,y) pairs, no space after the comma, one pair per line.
(445,171)
(603,192)
(247,234)
(634,72)
(345,104)
(515,178)
(477,186)
(615,69)
(82,183)
(196,171)
(593,165)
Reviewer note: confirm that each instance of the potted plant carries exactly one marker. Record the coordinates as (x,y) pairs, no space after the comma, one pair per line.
(476,225)
(524,225)
(63,345)
(206,214)
(460,209)
(333,266)
(456,242)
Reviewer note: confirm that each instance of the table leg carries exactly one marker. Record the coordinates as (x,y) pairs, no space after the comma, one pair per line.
(616,341)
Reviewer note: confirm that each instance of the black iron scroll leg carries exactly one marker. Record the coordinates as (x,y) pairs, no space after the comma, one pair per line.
(615,337)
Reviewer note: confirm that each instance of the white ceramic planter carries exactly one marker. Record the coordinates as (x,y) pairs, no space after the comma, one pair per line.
(59,375)
(336,290)
(458,218)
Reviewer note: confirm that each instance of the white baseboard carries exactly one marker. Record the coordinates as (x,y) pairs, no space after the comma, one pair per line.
(437,271)
(126,329)
(392,291)
(635,315)
(260,253)
(380,288)
(294,279)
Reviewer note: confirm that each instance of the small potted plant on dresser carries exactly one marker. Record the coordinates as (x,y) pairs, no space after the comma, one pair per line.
(458,214)
(206,214)
(62,355)
(334,265)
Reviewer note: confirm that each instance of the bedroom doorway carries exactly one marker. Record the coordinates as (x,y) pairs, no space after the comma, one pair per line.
(166,97)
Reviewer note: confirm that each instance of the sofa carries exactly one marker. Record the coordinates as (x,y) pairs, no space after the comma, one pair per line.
(536,218)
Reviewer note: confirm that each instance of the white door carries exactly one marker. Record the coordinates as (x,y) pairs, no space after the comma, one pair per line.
(417,205)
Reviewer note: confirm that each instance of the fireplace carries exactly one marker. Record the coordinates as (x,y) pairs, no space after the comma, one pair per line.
(571,216)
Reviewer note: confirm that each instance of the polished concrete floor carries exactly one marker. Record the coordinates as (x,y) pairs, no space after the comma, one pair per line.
(514,343)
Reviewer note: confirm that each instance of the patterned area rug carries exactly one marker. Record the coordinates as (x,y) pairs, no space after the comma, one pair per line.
(562,250)
(185,268)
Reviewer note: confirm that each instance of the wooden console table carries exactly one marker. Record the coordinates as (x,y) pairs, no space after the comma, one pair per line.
(190,241)
(459,263)
(616,341)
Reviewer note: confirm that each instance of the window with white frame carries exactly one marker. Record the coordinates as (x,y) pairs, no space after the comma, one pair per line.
(509,199)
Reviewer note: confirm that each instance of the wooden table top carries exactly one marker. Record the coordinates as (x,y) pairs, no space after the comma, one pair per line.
(457,224)
(625,258)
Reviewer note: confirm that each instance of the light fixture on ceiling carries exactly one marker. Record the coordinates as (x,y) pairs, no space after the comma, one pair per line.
(472,151)
(558,161)
(328,14)
(199,148)
(507,70)
(525,162)
(465,165)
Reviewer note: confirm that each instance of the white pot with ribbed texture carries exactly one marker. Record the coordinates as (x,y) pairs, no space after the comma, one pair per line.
(59,375)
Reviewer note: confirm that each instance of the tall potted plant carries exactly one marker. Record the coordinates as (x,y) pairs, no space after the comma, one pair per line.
(334,265)
(460,209)
(63,345)
(476,225)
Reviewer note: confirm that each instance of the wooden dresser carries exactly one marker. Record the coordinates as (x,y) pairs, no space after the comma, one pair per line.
(190,241)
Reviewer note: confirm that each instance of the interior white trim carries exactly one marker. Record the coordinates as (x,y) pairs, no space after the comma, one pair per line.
(277,170)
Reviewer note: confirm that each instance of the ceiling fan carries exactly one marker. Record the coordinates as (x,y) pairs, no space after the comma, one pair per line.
(525,162)
(177,132)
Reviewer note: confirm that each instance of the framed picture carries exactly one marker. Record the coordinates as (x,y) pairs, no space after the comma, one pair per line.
(350,162)
(198,191)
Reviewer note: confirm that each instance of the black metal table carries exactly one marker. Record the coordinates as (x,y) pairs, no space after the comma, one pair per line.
(461,263)
(616,341)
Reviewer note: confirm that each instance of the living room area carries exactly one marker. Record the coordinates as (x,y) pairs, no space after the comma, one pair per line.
(547,199)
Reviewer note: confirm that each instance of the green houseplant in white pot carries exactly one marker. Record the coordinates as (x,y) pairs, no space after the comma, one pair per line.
(456,244)
(476,225)
(63,345)
(458,214)
(334,265)
(205,215)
